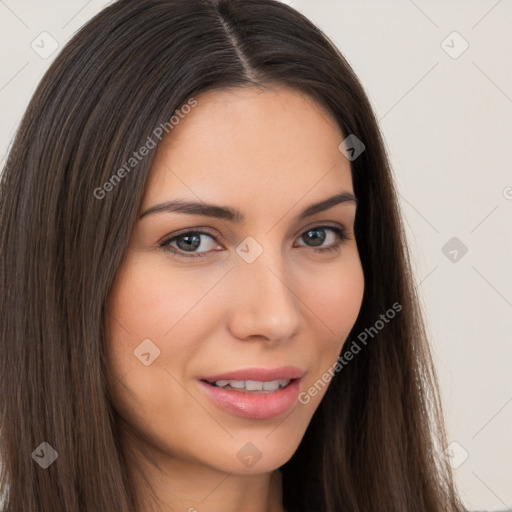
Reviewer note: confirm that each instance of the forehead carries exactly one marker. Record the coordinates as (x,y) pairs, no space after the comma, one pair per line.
(250,146)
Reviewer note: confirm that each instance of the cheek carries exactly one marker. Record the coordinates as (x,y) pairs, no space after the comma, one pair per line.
(153,308)
(142,308)
(333,296)
(150,308)
(149,299)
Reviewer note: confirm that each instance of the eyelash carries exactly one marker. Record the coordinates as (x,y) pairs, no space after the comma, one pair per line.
(340,233)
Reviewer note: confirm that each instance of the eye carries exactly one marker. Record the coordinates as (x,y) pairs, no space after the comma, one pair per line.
(190,241)
(317,236)
(186,242)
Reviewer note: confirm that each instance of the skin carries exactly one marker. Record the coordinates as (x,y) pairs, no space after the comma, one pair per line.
(270,153)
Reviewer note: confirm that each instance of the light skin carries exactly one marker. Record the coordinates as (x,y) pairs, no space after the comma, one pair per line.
(269,153)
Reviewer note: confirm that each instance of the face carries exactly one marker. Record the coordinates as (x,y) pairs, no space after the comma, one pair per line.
(218,323)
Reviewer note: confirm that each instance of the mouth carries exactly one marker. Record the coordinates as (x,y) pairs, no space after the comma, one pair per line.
(254,393)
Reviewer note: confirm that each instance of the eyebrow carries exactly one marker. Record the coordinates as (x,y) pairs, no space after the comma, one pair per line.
(235,215)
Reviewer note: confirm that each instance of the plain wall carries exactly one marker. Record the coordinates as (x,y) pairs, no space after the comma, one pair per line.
(447,122)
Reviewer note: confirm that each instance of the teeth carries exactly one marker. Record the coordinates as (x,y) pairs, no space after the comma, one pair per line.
(253,385)
(274,385)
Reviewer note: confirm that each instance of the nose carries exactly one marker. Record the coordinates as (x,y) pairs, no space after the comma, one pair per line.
(263,303)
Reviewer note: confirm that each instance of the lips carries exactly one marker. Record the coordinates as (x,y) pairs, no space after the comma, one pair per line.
(254,393)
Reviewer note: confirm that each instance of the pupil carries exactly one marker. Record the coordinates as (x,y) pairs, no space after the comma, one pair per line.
(317,240)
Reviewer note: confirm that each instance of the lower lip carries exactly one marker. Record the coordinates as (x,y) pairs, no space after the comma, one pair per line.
(257,406)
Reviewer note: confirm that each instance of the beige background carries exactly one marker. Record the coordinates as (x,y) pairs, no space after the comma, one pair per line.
(447,121)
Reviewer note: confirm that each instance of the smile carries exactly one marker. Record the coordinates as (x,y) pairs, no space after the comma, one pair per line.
(254,393)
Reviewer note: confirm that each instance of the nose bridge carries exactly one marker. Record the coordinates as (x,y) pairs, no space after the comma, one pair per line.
(265,303)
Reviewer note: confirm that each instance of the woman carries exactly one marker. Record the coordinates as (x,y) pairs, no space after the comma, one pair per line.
(206,302)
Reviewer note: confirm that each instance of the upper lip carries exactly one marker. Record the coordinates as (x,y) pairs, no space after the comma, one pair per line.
(258,374)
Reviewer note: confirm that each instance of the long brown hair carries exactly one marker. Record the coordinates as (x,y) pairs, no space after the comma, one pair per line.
(376,441)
